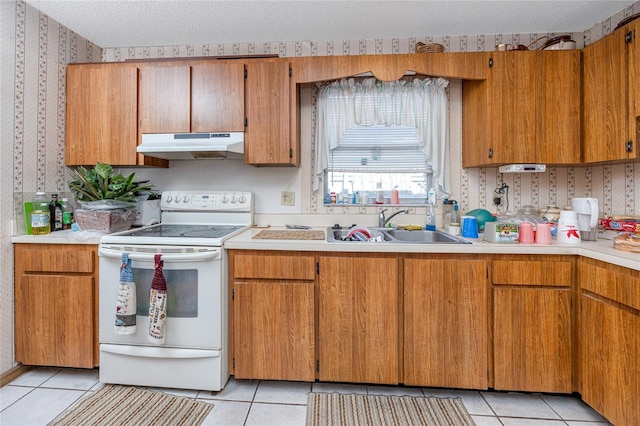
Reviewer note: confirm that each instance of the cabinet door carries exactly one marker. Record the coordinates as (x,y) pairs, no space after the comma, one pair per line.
(532,322)
(513,114)
(632,32)
(477,145)
(267,103)
(532,339)
(101,120)
(445,323)
(165,105)
(609,350)
(217,97)
(606,94)
(274,330)
(358,319)
(558,104)
(55,320)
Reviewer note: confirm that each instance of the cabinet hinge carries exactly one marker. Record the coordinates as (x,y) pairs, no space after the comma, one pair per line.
(246,122)
(233,294)
(245,73)
(318,365)
(629,146)
(318,268)
(290,152)
(290,72)
(490,62)
(628,37)
(490,153)
(234,364)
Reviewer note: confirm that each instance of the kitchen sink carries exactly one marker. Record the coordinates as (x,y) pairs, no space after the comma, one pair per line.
(397,236)
(424,237)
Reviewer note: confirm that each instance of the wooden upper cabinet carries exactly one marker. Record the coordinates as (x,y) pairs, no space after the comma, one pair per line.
(217,97)
(558,106)
(194,97)
(611,80)
(165,98)
(268,100)
(512,107)
(527,111)
(102,114)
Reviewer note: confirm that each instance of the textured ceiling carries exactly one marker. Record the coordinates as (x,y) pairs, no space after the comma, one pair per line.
(113,23)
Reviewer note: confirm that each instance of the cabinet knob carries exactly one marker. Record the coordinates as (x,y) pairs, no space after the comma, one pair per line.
(628,37)
(490,153)
(629,146)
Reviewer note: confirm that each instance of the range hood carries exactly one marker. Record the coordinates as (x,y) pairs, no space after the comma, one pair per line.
(190,146)
(523,168)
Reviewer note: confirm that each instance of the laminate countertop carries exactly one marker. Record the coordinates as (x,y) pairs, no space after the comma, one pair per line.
(602,249)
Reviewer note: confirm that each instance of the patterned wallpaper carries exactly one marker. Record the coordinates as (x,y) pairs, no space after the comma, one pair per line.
(35,53)
(36,50)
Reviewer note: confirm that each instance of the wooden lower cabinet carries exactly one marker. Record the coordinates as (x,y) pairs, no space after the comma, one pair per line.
(609,340)
(446,339)
(358,305)
(532,339)
(56,305)
(273,316)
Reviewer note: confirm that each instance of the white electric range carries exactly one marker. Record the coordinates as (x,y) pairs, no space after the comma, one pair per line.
(190,239)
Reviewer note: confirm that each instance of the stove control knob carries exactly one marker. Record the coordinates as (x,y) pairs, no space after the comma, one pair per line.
(177,198)
(233,199)
(225,199)
(242,199)
(186,199)
(169,198)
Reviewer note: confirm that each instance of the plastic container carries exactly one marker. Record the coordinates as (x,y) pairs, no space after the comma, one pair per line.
(40,216)
(395,197)
(379,194)
(452,218)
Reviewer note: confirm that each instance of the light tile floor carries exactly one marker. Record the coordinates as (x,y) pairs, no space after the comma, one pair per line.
(38,396)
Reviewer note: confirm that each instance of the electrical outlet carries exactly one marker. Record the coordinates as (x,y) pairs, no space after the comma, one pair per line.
(288,198)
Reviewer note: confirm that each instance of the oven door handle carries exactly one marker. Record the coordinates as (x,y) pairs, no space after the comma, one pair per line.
(149,257)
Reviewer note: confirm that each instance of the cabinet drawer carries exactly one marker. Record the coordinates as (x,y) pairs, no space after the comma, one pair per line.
(532,270)
(281,267)
(55,259)
(613,282)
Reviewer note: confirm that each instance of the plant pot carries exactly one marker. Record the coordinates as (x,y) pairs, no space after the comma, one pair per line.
(107,221)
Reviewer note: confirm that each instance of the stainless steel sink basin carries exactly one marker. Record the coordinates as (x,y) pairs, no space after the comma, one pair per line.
(397,236)
(424,237)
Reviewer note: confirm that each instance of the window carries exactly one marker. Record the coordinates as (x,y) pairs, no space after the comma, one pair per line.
(374,135)
(379,157)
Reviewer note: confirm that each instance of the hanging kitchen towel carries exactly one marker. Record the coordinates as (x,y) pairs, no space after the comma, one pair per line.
(127,303)
(157,304)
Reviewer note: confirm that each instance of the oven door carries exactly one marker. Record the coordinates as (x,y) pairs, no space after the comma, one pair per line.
(196,295)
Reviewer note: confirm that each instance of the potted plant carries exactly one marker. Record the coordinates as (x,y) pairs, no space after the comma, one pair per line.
(107,200)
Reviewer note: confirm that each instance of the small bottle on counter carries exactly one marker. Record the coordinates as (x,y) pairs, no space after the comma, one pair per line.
(55,210)
(379,193)
(67,214)
(430,223)
(40,216)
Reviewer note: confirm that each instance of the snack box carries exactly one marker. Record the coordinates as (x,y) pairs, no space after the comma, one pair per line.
(622,225)
(501,232)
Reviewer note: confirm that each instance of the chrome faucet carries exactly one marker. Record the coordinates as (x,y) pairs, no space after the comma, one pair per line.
(382,221)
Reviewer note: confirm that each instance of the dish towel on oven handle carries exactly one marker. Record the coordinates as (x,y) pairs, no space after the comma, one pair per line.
(127,303)
(157,304)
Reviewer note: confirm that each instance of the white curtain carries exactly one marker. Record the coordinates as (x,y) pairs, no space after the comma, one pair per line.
(366,102)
